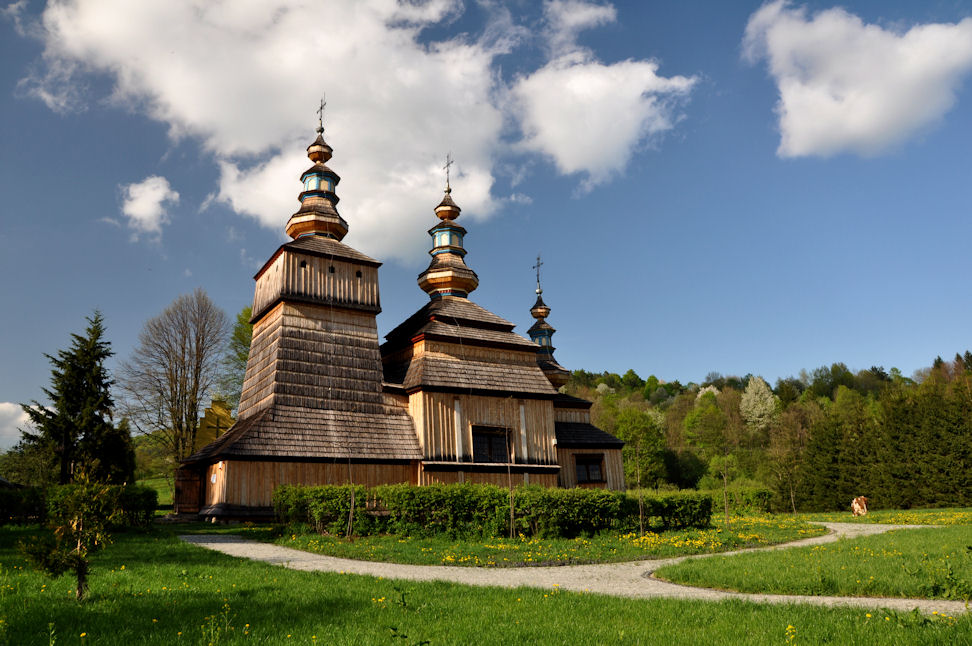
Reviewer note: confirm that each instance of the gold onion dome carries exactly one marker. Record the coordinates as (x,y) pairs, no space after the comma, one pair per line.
(318,202)
(447,274)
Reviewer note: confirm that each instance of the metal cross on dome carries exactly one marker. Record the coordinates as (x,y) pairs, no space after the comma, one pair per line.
(537,267)
(449,162)
(320,112)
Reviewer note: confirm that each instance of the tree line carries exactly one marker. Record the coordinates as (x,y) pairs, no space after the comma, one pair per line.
(816,440)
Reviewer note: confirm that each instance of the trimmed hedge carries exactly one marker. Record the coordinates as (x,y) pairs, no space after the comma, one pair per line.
(467,510)
(136,504)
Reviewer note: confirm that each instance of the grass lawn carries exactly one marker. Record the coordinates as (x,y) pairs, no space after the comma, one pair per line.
(934,563)
(162,485)
(745,531)
(149,588)
(958,516)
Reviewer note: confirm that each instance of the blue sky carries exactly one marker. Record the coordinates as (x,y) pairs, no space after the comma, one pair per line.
(735,187)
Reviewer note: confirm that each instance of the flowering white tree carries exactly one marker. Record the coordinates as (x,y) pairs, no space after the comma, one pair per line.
(758,405)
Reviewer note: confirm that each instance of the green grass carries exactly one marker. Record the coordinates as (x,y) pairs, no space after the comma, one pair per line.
(162,485)
(934,563)
(956,516)
(746,531)
(148,588)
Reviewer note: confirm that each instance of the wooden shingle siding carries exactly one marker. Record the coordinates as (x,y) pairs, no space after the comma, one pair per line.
(260,367)
(613,468)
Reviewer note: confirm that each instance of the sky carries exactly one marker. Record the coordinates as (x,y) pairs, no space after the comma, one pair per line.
(738,187)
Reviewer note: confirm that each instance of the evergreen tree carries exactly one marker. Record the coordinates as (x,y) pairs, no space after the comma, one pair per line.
(75,432)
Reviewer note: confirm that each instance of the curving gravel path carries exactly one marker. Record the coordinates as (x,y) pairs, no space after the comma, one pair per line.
(631,579)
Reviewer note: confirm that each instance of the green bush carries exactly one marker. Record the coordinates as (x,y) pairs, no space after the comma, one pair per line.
(468,510)
(22,505)
(137,505)
(133,505)
(745,500)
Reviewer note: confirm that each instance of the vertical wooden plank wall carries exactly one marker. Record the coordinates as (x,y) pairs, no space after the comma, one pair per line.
(434,415)
(285,277)
(498,479)
(252,483)
(613,468)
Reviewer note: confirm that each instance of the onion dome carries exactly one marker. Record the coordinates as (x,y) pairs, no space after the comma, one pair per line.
(447,274)
(318,213)
(541,333)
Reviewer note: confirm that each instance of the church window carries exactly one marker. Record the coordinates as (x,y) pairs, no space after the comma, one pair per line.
(590,468)
(490,444)
(357,274)
(330,269)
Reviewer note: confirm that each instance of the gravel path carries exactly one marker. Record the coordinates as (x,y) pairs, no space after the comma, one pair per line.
(631,579)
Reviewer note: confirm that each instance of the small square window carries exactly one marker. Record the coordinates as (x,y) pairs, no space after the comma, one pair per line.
(490,444)
(590,468)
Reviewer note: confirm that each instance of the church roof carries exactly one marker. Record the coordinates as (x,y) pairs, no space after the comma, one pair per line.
(459,320)
(454,374)
(450,311)
(321,246)
(298,434)
(581,435)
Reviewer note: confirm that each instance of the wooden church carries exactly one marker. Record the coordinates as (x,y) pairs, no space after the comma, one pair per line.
(453,395)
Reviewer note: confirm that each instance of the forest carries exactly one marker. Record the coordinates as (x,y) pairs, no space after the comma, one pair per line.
(816,440)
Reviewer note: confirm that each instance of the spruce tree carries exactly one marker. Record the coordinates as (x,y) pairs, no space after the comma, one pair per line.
(75,430)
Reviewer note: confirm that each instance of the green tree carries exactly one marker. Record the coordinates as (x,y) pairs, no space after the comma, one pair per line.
(788,437)
(651,387)
(235,358)
(631,381)
(75,429)
(708,429)
(644,442)
(789,390)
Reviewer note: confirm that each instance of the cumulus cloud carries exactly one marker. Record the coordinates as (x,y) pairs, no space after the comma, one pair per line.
(144,205)
(243,78)
(848,86)
(588,116)
(12,418)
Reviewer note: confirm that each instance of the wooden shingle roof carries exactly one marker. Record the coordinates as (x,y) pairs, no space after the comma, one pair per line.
(579,435)
(445,372)
(298,434)
(450,311)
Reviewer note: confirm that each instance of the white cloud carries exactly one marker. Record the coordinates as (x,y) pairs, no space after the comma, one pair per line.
(590,117)
(243,78)
(847,86)
(567,18)
(585,115)
(12,418)
(144,205)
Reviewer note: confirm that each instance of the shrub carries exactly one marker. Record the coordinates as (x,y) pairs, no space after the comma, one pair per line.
(137,505)
(79,517)
(468,510)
